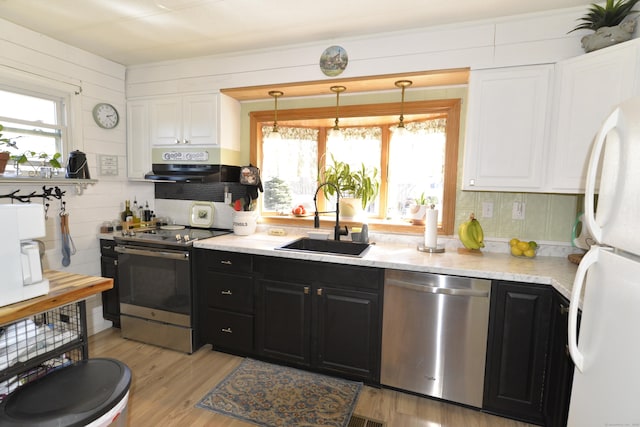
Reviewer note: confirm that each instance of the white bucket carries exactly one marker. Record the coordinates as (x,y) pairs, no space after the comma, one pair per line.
(245,222)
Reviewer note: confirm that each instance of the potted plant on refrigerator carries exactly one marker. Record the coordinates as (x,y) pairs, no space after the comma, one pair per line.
(609,23)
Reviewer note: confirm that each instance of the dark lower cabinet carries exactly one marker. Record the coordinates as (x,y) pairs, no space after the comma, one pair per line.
(560,370)
(347,326)
(225,301)
(109,268)
(326,317)
(517,351)
(284,321)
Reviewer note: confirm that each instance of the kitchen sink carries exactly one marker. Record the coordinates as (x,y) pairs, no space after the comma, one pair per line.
(327,247)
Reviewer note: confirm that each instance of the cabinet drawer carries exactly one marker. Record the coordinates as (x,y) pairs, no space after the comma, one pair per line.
(107,248)
(228,292)
(228,261)
(230,330)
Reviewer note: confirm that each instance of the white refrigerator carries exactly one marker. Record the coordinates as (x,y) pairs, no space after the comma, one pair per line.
(606,349)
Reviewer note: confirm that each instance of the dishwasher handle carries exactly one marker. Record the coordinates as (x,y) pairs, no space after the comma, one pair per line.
(427,288)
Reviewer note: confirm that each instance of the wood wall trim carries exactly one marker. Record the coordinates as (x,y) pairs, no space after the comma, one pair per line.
(450,77)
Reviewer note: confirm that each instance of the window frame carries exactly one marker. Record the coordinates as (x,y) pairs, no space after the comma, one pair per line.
(449,108)
(67,93)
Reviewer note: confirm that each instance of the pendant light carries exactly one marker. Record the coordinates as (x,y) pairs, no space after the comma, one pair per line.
(335,134)
(275,133)
(400,130)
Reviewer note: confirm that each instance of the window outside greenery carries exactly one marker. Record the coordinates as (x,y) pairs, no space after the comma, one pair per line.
(34,122)
(415,167)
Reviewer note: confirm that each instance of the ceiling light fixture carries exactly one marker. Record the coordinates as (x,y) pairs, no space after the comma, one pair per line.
(335,133)
(275,133)
(400,130)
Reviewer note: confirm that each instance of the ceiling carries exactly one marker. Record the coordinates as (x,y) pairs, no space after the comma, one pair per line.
(133,32)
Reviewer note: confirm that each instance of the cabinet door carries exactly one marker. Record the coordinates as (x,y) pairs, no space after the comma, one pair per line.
(519,328)
(200,120)
(588,88)
(560,371)
(138,147)
(109,268)
(166,121)
(506,133)
(284,321)
(347,335)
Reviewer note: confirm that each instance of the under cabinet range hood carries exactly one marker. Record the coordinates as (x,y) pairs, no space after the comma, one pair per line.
(192,164)
(199,173)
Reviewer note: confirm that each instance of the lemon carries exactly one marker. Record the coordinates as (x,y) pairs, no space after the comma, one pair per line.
(515,251)
(533,245)
(523,246)
(513,242)
(530,253)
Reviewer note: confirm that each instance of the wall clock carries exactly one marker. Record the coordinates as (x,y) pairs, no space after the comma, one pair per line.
(105,115)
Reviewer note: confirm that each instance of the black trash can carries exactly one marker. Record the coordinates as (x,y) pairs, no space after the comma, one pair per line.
(91,392)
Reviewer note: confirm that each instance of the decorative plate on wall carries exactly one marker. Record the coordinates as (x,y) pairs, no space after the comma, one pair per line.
(201,214)
(333,60)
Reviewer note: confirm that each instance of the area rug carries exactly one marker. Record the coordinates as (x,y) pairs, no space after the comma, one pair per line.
(275,396)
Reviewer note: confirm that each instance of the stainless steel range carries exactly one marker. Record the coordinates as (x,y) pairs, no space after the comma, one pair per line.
(155,277)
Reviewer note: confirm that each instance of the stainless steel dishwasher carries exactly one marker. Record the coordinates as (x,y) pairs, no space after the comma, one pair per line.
(434,335)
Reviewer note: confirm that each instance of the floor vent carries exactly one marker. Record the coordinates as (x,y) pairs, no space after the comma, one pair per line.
(360,421)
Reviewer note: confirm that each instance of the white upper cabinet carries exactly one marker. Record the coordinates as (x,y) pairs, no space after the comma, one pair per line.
(507,128)
(138,146)
(184,120)
(588,87)
(530,128)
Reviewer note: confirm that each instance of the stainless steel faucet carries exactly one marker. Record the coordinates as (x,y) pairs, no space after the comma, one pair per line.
(337,231)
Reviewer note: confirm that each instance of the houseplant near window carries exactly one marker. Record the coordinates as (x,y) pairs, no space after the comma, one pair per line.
(361,184)
(5,155)
(608,23)
(19,159)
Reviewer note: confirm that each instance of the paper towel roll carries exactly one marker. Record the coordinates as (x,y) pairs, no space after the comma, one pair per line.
(431,229)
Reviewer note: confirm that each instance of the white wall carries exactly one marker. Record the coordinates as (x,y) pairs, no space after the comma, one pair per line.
(38,58)
(533,38)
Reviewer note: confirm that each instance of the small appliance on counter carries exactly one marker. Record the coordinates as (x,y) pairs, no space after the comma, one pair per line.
(77,166)
(20,255)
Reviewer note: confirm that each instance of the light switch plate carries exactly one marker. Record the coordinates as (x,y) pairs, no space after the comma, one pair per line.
(518,210)
(487,209)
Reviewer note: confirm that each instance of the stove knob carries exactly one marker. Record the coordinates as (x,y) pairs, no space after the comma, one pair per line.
(185,238)
(178,237)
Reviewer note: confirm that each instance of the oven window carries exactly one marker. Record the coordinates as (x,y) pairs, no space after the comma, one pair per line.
(155,282)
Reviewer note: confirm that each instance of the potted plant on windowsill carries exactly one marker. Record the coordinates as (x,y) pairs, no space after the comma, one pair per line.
(4,154)
(417,211)
(358,187)
(609,23)
(43,158)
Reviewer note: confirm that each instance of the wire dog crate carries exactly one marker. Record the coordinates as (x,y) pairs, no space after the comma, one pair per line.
(35,346)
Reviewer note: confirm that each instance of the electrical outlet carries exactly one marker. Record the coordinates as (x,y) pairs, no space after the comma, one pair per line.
(487,209)
(518,210)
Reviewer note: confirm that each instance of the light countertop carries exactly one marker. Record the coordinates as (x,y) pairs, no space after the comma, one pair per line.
(548,270)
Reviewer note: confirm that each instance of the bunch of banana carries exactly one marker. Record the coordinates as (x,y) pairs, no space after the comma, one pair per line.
(471,234)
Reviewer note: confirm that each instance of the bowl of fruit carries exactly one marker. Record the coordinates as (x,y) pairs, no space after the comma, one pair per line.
(523,249)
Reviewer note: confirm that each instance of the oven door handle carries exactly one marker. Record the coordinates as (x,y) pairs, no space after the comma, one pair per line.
(181,256)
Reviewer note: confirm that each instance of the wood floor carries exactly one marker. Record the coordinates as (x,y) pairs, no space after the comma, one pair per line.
(167,385)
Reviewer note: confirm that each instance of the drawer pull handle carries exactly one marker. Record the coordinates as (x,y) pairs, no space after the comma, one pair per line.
(228,292)
(227,330)
(306,290)
(319,292)
(226,262)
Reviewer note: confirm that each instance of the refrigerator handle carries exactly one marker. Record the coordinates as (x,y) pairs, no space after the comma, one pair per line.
(590,258)
(608,130)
